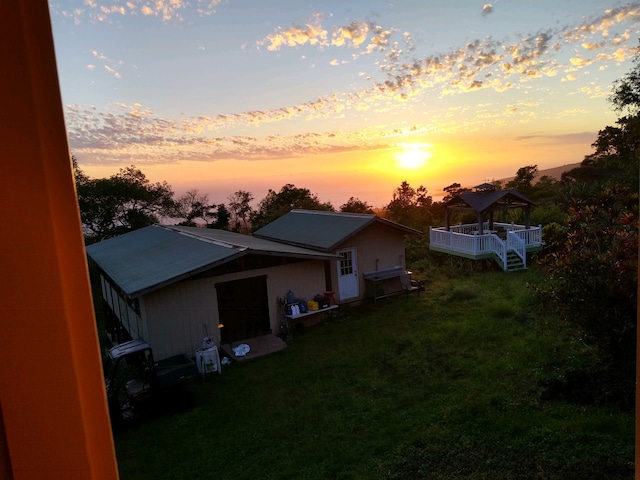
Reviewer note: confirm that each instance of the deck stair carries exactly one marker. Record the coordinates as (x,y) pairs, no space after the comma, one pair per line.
(514,262)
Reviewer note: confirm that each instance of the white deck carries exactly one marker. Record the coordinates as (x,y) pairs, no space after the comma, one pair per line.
(466,241)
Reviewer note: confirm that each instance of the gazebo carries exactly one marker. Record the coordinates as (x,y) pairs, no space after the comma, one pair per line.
(506,243)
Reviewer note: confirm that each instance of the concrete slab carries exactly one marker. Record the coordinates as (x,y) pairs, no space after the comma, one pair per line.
(259,346)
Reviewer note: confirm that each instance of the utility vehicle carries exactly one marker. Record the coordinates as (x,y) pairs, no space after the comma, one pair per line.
(138,386)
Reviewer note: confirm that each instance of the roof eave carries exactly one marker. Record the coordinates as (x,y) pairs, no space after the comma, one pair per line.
(157,286)
(409,230)
(304,256)
(293,244)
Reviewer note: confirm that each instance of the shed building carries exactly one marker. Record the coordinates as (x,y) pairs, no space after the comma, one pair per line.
(365,243)
(167,285)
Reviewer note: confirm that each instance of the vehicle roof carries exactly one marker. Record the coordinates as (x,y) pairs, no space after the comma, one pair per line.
(127,348)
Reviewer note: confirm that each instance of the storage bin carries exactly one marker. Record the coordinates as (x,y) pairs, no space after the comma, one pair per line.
(311,305)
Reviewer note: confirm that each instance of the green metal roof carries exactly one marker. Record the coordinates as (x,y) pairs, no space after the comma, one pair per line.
(152,257)
(321,230)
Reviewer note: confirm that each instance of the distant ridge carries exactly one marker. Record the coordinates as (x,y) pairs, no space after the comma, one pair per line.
(555,173)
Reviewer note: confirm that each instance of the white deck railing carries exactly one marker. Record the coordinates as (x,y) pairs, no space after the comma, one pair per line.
(466,239)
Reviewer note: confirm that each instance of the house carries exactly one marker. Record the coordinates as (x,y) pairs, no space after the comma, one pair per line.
(505,243)
(371,249)
(172,286)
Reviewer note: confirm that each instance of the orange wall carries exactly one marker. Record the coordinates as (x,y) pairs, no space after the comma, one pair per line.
(378,246)
(54,414)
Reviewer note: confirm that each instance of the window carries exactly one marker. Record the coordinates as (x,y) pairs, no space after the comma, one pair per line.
(346,264)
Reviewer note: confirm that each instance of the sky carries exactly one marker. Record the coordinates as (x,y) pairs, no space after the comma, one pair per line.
(344,98)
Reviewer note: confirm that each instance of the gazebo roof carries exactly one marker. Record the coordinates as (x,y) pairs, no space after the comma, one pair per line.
(482,200)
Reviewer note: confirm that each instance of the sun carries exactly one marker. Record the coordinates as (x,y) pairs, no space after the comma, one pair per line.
(413,155)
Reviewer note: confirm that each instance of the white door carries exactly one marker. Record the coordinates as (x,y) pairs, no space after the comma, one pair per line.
(348,274)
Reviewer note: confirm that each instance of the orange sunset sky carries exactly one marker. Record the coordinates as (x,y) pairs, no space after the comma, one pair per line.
(343,98)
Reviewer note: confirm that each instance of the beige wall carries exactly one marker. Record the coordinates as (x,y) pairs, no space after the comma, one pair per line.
(176,314)
(378,246)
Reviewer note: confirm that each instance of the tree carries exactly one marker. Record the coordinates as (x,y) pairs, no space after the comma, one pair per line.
(195,206)
(121,203)
(221,217)
(523,181)
(617,149)
(438,209)
(410,206)
(593,273)
(453,190)
(592,258)
(276,204)
(355,205)
(240,211)
(616,155)
(626,90)
(78,175)
(192,206)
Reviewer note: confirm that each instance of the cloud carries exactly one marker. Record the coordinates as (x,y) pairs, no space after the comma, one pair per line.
(594,91)
(581,138)
(112,71)
(131,133)
(165,10)
(108,64)
(487,63)
(311,33)
(354,34)
(487,9)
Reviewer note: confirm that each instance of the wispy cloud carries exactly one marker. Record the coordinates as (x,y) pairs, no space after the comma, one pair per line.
(312,33)
(487,9)
(354,35)
(109,65)
(487,63)
(582,138)
(133,132)
(165,10)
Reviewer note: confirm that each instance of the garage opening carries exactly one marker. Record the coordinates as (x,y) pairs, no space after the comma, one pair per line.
(243,308)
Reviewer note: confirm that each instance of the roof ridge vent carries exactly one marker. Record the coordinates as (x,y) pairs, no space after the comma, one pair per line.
(219,243)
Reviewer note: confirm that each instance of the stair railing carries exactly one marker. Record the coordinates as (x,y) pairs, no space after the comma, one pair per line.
(517,244)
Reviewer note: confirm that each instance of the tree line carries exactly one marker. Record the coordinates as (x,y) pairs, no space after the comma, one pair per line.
(128,200)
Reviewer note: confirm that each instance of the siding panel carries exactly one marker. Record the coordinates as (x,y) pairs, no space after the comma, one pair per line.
(175,315)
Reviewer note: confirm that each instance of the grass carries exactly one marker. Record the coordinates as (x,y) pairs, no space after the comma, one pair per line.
(445,385)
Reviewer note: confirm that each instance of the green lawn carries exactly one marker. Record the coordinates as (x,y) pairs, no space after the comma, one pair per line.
(445,385)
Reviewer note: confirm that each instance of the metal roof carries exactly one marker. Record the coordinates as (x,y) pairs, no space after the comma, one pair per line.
(482,200)
(152,257)
(322,230)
